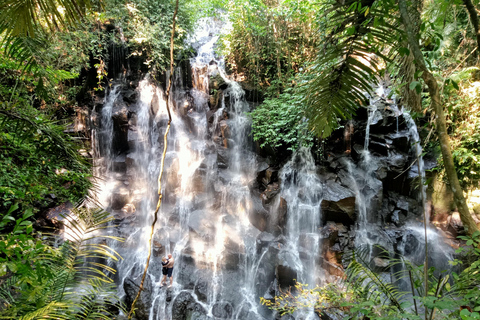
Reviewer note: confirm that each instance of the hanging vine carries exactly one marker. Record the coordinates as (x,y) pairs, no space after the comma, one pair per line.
(165,145)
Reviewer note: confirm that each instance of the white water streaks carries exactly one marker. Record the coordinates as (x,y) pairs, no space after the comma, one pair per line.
(302,190)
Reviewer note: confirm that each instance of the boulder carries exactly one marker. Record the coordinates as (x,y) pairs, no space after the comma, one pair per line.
(201,224)
(285,270)
(222,158)
(131,286)
(120,127)
(222,310)
(270,192)
(119,198)
(258,215)
(338,204)
(185,307)
(119,164)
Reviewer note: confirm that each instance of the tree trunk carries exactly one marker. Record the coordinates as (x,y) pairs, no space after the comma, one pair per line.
(474,19)
(440,123)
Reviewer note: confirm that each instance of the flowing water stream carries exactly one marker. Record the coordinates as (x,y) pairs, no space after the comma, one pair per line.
(231,245)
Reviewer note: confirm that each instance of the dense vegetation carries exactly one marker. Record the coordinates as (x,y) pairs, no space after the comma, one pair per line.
(50,62)
(313,61)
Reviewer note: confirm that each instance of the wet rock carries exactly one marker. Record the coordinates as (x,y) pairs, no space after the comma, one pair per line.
(338,204)
(119,164)
(270,192)
(185,307)
(263,240)
(201,223)
(216,81)
(131,286)
(129,96)
(120,127)
(400,141)
(398,217)
(454,224)
(224,129)
(286,276)
(396,161)
(198,180)
(258,216)
(332,314)
(132,138)
(271,175)
(262,167)
(285,270)
(119,198)
(234,251)
(281,220)
(265,274)
(202,288)
(222,158)
(247,313)
(222,310)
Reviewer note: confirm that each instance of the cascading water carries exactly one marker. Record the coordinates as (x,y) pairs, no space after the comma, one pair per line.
(204,216)
(237,228)
(365,181)
(302,189)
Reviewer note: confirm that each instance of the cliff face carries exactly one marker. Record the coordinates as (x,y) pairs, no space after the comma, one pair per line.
(240,225)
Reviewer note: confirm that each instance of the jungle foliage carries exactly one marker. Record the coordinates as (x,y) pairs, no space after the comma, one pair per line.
(347,48)
(47,51)
(370,292)
(40,278)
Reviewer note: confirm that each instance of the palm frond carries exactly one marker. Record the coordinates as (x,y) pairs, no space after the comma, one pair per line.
(368,282)
(6,290)
(82,249)
(74,279)
(53,310)
(52,134)
(96,302)
(27,17)
(343,77)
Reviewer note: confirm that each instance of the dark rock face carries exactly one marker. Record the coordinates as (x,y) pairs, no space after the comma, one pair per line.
(131,286)
(185,307)
(261,255)
(338,203)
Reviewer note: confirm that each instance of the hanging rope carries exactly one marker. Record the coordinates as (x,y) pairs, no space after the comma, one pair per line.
(165,144)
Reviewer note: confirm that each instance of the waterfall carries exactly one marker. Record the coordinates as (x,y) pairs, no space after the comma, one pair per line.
(239,227)
(302,189)
(413,242)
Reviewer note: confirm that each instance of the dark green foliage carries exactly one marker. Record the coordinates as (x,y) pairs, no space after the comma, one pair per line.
(270,41)
(281,122)
(346,70)
(37,159)
(64,282)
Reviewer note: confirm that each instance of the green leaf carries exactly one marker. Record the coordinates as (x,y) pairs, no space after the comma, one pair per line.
(413,85)
(404,52)
(455,85)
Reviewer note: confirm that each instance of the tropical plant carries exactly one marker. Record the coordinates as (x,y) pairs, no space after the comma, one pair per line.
(282,122)
(372,292)
(269,41)
(68,281)
(38,161)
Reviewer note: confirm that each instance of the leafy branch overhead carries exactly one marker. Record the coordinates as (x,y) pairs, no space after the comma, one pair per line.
(25,18)
(358,34)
